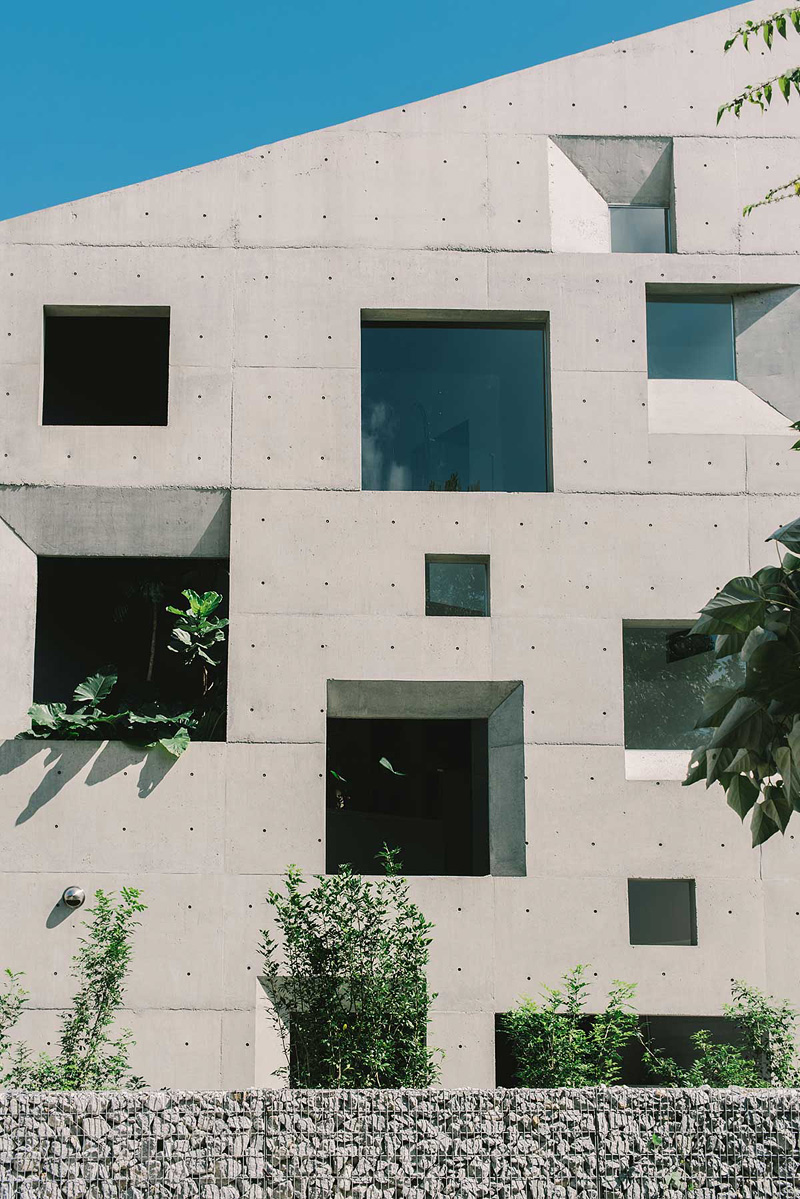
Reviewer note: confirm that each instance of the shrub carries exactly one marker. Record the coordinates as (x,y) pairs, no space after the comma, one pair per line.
(555,1044)
(766,1055)
(88,1057)
(350,990)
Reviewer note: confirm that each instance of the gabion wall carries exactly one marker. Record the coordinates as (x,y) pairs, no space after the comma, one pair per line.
(587,1144)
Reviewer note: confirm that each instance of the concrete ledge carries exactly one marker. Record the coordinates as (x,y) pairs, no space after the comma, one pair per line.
(656,764)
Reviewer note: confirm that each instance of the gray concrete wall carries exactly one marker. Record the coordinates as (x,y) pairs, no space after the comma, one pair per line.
(581,1144)
(266,261)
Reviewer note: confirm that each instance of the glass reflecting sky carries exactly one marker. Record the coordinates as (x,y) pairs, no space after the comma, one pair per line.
(690,338)
(639,230)
(453,408)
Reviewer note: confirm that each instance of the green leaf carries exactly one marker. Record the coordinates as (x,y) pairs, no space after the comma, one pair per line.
(739,605)
(743,760)
(719,763)
(773,674)
(697,768)
(745,726)
(195,602)
(717,702)
(788,535)
(95,688)
(762,826)
(209,601)
(785,90)
(741,793)
(726,644)
(789,561)
(177,743)
(47,716)
(388,766)
(776,807)
(181,635)
(338,777)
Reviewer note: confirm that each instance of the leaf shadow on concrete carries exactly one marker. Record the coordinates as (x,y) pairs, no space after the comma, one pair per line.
(64,760)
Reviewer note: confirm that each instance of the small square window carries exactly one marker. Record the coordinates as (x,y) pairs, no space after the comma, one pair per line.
(690,337)
(456,586)
(666,673)
(639,229)
(454,406)
(105,366)
(661,911)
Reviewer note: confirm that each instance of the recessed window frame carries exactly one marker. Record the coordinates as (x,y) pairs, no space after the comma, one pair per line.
(456,559)
(718,298)
(669,247)
(87,311)
(692,888)
(478,319)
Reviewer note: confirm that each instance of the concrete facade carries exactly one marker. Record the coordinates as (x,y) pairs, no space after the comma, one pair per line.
(468,202)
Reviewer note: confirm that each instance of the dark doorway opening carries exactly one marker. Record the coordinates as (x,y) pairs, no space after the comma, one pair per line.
(106,366)
(418,785)
(92,613)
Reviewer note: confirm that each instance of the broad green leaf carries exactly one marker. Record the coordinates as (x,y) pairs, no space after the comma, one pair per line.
(788,772)
(777,807)
(195,602)
(745,726)
(209,601)
(177,743)
(743,760)
(47,716)
(785,89)
(726,644)
(182,635)
(773,674)
(777,621)
(762,826)
(388,766)
(717,702)
(790,562)
(739,605)
(718,763)
(741,793)
(758,637)
(95,688)
(697,768)
(788,535)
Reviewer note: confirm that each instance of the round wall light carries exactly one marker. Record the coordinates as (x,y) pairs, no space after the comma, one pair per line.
(73,897)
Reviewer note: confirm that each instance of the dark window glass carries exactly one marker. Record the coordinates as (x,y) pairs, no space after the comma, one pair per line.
(690,338)
(420,785)
(661,911)
(106,369)
(456,587)
(666,673)
(639,229)
(453,408)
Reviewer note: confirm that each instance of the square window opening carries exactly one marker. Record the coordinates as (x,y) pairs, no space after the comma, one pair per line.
(690,337)
(456,586)
(454,405)
(105,366)
(666,673)
(96,613)
(640,229)
(418,785)
(662,911)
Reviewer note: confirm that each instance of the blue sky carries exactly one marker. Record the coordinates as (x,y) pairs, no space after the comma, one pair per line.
(96,95)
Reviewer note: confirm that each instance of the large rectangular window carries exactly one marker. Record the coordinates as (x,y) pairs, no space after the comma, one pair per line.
(690,337)
(105,366)
(666,673)
(639,229)
(453,406)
